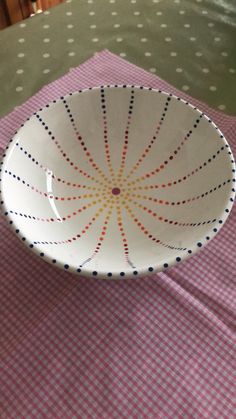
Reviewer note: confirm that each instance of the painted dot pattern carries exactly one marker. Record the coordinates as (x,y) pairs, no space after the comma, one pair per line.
(111,195)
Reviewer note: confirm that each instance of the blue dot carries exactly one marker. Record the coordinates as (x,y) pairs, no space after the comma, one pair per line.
(189,251)
(109,274)
(42,254)
(31,245)
(122,274)
(150,269)
(54,261)
(215,230)
(165,265)
(66,266)
(135,272)
(95,273)
(199,244)
(178,259)
(78,270)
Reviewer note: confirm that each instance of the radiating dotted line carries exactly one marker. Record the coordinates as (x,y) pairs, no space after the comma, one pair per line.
(175,182)
(166,220)
(56,178)
(53,219)
(170,158)
(101,238)
(153,139)
(63,153)
(186,200)
(78,236)
(82,143)
(125,145)
(105,136)
(48,195)
(123,236)
(147,232)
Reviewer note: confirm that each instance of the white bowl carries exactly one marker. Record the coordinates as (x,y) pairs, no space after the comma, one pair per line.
(117,181)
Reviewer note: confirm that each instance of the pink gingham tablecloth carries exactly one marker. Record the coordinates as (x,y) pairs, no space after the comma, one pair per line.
(156,347)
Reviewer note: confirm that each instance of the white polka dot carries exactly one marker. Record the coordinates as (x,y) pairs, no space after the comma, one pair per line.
(168,39)
(70,40)
(133,1)
(90,1)
(119,39)
(22,25)
(46,55)
(210,24)
(20,55)
(179,70)
(187,25)
(217,39)
(46,26)
(46,12)
(122,54)
(68,13)
(213,88)
(143,39)
(136,13)
(222,107)
(46,71)
(117,25)
(182,12)
(152,70)
(114,13)
(177,1)
(70,26)
(224,54)
(156,1)
(198,54)
(93,26)
(69,1)
(71,54)
(163,25)
(46,40)
(192,38)
(140,25)
(232,70)
(185,87)
(95,39)
(204,12)
(112,1)
(173,54)
(19,89)
(147,54)
(199,1)
(19,71)
(158,13)
(205,70)
(21,40)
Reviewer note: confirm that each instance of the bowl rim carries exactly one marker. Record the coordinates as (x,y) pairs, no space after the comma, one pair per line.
(144,271)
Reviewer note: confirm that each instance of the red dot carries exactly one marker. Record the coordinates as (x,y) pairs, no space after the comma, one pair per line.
(116,191)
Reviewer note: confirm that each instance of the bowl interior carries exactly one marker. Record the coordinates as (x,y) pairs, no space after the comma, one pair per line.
(118,180)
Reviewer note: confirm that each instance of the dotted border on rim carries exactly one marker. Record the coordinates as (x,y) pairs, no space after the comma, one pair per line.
(144,271)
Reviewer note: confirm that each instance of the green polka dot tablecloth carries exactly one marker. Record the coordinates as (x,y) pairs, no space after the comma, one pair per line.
(189,43)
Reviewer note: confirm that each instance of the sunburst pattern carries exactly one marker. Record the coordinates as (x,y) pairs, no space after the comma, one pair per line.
(128,189)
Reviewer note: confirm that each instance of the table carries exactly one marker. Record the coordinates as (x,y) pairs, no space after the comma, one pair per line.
(189,43)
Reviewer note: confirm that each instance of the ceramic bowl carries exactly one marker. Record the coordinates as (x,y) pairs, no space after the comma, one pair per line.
(117,181)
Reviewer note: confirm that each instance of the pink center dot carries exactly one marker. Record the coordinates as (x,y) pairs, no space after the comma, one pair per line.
(116,191)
